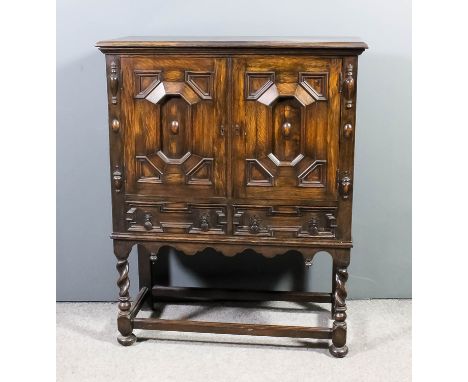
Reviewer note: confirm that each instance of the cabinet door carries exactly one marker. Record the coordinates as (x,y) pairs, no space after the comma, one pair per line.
(173,109)
(286,114)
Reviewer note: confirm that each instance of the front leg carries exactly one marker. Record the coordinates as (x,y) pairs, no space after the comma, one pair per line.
(338,347)
(124,323)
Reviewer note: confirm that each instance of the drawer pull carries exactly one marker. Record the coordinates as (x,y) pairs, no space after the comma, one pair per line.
(204,222)
(175,127)
(254,224)
(153,256)
(148,224)
(286,129)
(313,226)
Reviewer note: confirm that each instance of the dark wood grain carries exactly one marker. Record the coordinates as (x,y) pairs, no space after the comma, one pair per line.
(232,328)
(271,91)
(136,306)
(235,144)
(163,293)
(144,273)
(219,46)
(181,41)
(327,42)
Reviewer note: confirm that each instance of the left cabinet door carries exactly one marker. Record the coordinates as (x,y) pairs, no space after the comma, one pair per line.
(173,109)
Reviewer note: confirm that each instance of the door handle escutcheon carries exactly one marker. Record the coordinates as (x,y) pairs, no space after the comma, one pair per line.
(238,130)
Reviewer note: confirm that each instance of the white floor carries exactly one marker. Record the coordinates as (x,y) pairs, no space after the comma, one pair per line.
(379,340)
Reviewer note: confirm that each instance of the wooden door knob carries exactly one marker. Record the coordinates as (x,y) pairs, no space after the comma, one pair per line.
(348,130)
(175,127)
(286,128)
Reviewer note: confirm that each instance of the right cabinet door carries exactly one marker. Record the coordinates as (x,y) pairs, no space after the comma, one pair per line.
(286,115)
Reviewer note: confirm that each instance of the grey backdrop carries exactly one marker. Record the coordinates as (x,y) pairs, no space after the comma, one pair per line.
(381,258)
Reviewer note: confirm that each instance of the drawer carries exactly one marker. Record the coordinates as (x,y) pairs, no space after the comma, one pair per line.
(284,221)
(177,218)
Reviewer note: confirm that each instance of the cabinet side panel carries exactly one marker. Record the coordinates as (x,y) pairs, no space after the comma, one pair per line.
(116,140)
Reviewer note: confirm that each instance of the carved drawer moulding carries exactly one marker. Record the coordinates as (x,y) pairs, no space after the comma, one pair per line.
(285,221)
(176,218)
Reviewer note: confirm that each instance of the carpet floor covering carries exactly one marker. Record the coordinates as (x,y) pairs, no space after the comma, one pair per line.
(379,341)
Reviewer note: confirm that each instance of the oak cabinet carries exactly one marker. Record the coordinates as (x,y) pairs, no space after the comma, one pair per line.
(232,144)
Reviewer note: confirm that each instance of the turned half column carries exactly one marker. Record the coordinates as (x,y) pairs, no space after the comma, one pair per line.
(124,322)
(338,347)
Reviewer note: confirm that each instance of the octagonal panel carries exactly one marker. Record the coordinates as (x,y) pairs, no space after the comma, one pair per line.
(175,129)
(287,129)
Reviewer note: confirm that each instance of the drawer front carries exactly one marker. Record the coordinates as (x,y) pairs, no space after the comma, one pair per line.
(284,221)
(174,126)
(176,218)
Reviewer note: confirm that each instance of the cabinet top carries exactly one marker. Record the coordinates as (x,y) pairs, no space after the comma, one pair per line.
(139,43)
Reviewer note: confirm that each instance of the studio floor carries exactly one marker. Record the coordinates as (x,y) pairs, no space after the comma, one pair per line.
(379,340)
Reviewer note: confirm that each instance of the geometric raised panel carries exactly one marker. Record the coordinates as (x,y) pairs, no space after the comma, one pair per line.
(287,129)
(201,83)
(148,172)
(169,133)
(201,173)
(287,137)
(261,86)
(146,81)
(316,84)
(190,169)
(314,175)
(175,127)
(286,112)
(172,161)
(310,173)
(288,116)
(257,83)
(257,174)
(168,88)
(268,96)
(284,90)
